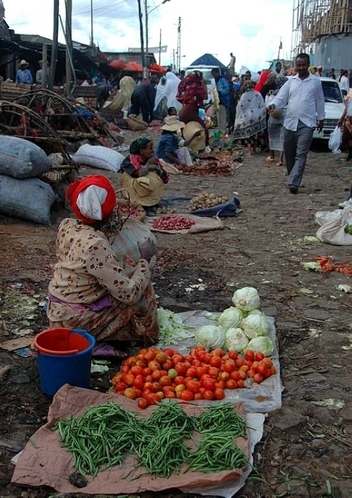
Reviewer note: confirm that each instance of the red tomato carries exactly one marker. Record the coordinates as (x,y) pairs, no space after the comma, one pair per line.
(231,384)
(128,379)
(179,380)
(156,387)
(181,368)
(130,361)
(165,381)
(261,368)
(137,370)
(220,384)
(153,398)
(243,374)
(156,374)
(249,355)
(255,365)
(125,368)
(244,368)
(142,403)
(251,373)
(258,378)
(239,362)
(206,358)
(161,356)
(213,372)
(219,393)
(215,361)
(240,384)
(146,371)
(235,376)
(170,394)
(167,365)
(224,376)
(120,386)
(218,352)
(267,362)
(191,372)
(138,382)
(229,366)
(177,358)
(170,352)
(193,386)
(209,384)
(179,388)
(201,370)
(258,356)
(208,394)
(117,378)
(149,355)
(198,396)
(232,354)
(186,395)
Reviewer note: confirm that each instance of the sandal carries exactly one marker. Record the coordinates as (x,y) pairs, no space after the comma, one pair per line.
(280,163)
(270,160)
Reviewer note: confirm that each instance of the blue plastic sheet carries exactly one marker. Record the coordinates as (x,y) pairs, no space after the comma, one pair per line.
(224,210)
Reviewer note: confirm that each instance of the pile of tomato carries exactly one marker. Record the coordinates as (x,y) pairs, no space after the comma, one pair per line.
(153,374)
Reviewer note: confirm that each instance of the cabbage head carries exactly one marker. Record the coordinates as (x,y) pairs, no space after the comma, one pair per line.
(246,299)
(261,344)
(210,336)
(236,339)
(255,324)
(231,317)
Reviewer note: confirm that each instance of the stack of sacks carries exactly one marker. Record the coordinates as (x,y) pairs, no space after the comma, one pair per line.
(22,194)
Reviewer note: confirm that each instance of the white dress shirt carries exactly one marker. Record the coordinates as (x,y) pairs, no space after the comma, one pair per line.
(344,83)
(304,100)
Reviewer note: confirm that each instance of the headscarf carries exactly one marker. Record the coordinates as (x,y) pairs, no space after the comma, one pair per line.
(138,145)
(92,199)
(191,90)
(171,88)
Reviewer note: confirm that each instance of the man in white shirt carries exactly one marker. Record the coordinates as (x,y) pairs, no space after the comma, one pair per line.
(344,80)
(304,97)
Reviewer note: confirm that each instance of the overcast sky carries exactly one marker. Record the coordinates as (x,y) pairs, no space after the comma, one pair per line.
(250,29)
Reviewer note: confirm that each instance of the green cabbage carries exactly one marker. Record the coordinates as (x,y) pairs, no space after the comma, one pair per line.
(210,336)
(255,324)
(261,344)
(246,299)
(231,317)
(236,339)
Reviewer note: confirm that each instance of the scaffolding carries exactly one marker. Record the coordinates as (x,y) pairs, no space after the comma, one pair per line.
(315,19)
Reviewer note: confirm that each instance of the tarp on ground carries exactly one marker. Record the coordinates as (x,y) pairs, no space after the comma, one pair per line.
(209,60)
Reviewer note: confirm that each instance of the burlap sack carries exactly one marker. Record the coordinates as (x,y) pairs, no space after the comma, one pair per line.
(136,124)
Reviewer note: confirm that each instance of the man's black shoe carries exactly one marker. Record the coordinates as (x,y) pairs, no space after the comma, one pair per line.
(293,189)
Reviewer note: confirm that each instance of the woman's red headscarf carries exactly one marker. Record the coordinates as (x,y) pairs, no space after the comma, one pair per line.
(79,186)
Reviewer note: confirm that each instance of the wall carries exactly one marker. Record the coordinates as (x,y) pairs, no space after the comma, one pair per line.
(334,51)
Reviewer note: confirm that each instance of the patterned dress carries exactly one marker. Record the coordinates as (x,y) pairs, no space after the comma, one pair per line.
(93,290)
(250,115)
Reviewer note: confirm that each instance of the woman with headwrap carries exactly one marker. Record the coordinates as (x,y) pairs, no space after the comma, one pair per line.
(192,91)
(91,288)
(250,119)
(275,124)
(143,176)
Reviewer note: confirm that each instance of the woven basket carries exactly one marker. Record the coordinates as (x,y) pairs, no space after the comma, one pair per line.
(116,104)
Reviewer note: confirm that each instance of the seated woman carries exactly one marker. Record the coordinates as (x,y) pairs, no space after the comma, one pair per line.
(143,174)
(172,148)
(91,289)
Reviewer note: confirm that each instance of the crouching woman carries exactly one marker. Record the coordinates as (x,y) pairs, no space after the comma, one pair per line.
(91,289)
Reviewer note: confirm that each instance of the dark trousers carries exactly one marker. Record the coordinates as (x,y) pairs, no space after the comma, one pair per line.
(296,148)
(140,105)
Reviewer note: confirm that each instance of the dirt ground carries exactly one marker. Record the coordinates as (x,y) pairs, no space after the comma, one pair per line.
(306,449)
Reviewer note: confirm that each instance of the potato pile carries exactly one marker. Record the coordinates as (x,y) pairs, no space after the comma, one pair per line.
(205,200)
(165,210)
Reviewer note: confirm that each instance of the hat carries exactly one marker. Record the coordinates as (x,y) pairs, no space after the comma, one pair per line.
(198,143)
(172,123)
(24,63)
(146,190)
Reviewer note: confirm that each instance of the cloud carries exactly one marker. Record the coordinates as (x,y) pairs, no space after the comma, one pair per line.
(252,32)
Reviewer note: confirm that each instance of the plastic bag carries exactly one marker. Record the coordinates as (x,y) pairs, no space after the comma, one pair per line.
(333,232)
(335,140)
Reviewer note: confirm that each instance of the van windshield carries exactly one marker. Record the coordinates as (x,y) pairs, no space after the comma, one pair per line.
(205,71)
(332,92)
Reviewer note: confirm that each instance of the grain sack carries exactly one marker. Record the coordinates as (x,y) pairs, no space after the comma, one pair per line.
(27,199)
(21,158)
(99,157)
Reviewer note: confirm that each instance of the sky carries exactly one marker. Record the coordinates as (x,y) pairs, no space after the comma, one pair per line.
(251,30)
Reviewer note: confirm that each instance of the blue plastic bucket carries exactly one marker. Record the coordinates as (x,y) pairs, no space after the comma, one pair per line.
(64,357)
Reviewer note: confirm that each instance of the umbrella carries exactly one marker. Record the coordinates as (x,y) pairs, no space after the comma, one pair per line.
(155,68)
(118,64)
(133,66)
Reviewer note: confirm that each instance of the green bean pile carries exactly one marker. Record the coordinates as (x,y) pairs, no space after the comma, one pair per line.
(104,435)
(221,417)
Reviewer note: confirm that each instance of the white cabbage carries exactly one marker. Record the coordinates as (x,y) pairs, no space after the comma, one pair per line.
(210,336)
(261,344)
(255,324)
(231,317)
(246,299)
(236,339)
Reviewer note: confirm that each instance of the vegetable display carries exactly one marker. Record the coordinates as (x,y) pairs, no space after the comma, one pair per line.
(246,299)
(172,222)
(210,336)
(161,443)
(205,200)
(171,328)
(155,374)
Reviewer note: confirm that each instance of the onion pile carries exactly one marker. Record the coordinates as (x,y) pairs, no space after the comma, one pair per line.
(172,222)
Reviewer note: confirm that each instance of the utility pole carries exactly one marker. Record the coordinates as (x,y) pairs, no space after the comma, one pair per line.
(146,31)
(160,48)
(68,46)
(179,45)
(45,65)
(91,24)
(141,32)
(54,48)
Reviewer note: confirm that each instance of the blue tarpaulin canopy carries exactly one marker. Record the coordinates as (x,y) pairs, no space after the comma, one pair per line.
(209,60)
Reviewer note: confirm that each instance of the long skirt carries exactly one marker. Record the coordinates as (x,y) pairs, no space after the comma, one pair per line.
(119,322)
(189,112)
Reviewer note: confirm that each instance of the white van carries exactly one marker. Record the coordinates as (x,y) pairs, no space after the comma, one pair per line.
(334,107)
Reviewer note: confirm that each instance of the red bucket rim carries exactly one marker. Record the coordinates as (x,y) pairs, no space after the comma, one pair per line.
(41,349)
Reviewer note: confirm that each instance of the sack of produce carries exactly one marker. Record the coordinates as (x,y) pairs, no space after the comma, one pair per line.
(21,158)
(99,157)
(27,199)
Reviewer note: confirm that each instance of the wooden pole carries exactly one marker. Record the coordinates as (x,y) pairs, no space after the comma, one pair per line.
(45,65)
(68,47)
(141,32)
(54,48)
